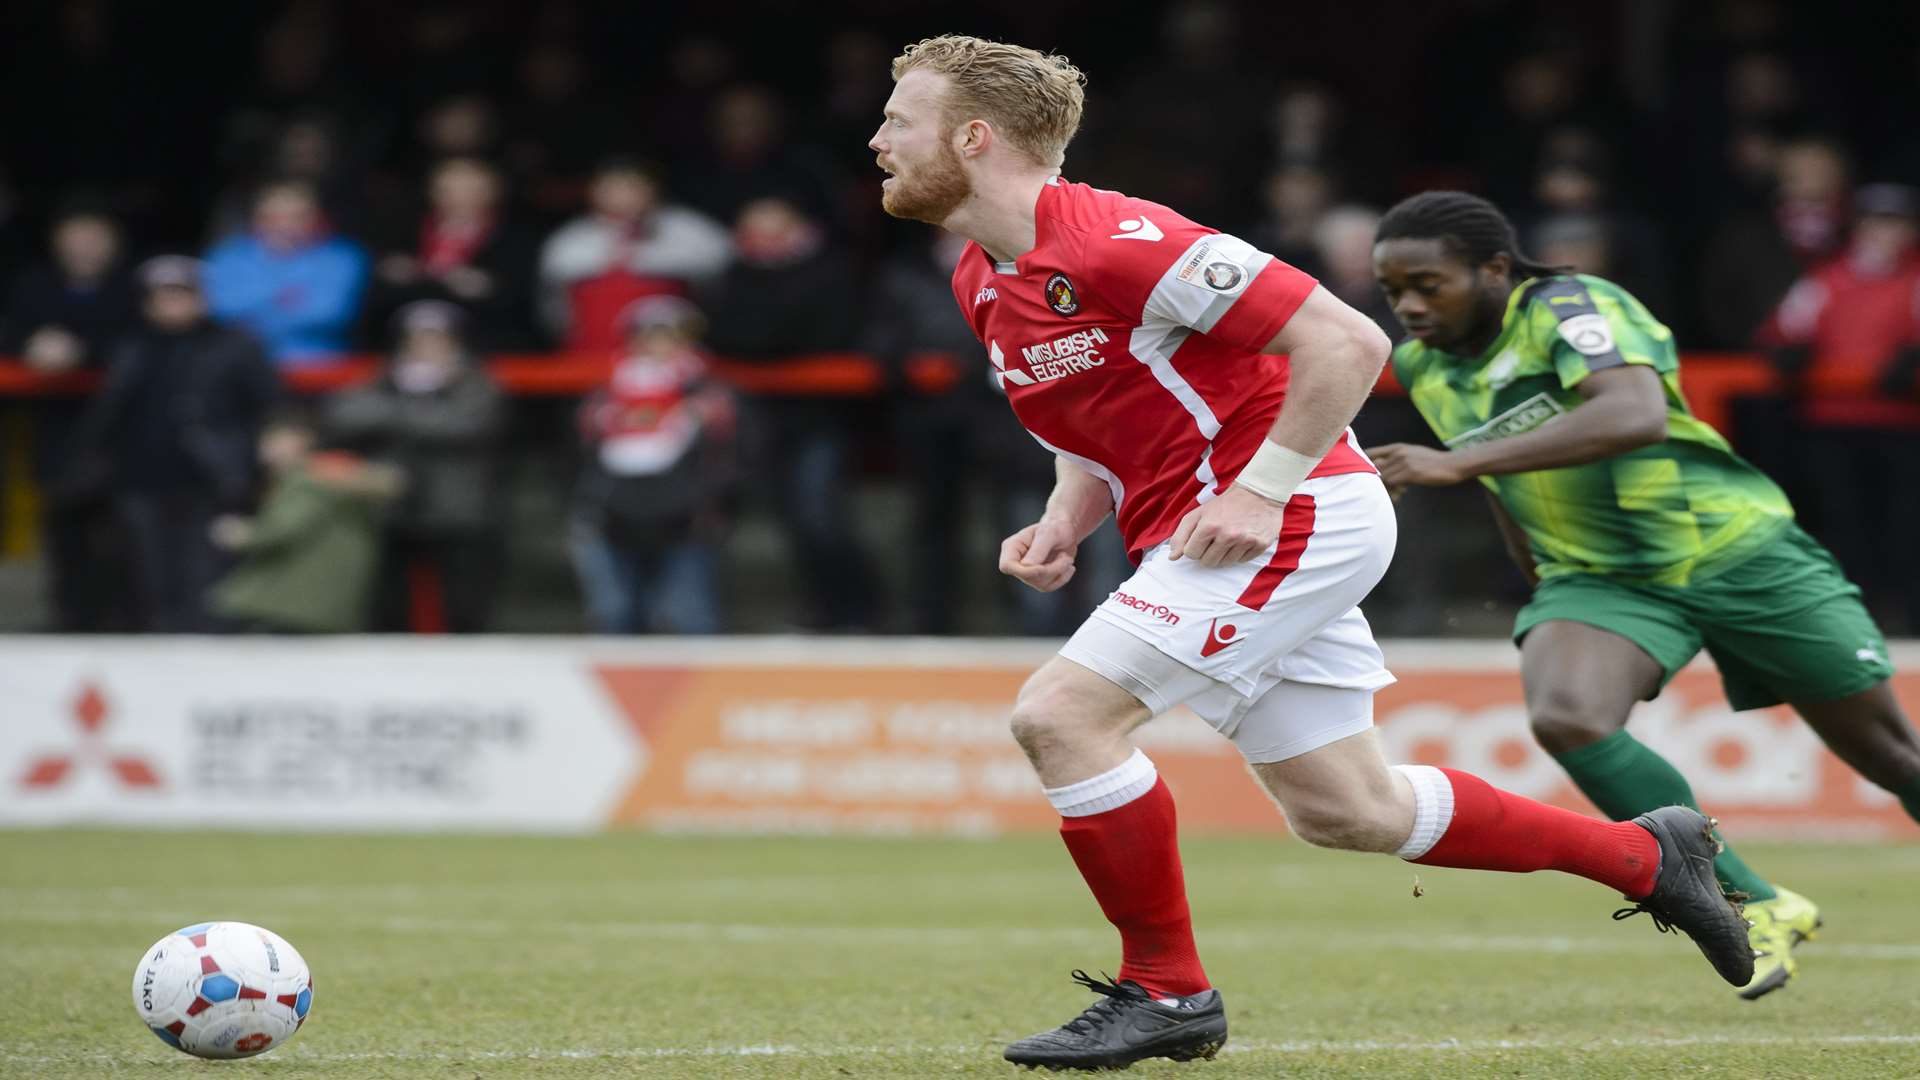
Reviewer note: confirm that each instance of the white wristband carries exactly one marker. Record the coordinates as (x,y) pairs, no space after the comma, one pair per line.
(1275,471)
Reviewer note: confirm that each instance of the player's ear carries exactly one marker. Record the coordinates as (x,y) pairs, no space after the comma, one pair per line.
(973,137)
(1500,265)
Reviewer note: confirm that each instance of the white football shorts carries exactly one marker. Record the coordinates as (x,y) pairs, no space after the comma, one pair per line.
(1272,652)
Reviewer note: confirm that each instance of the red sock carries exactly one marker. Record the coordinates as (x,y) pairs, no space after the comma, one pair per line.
(1130,856)
(1498,830)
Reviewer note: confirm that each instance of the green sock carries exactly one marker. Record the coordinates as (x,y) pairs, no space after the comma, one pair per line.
(1910,797)
(1625,779)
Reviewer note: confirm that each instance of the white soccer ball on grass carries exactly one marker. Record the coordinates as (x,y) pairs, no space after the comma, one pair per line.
(223,990)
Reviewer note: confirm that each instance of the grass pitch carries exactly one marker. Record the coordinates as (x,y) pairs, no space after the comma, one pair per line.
(467,957)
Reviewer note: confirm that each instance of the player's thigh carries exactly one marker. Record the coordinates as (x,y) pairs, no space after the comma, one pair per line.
(1110,671)
(1093,689)
(1589,648)
(1787,626)
(1870,732)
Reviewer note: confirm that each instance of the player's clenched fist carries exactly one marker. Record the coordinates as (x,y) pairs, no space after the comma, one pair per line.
(1041,555)
(1231,529)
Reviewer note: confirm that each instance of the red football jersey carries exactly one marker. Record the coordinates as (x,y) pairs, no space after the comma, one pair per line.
(1128,341)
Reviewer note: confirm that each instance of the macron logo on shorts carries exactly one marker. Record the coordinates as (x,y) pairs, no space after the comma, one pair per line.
(1218,637)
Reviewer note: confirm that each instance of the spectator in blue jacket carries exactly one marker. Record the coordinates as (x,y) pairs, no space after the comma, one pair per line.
(289,280)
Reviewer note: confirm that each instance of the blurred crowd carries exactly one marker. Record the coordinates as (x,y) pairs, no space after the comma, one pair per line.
(440,183)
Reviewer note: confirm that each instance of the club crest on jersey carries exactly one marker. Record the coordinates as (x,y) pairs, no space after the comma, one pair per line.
(1208,269)
(1061,296)
(1223,277)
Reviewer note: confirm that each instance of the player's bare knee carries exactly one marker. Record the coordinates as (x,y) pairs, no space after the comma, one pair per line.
(1047,715)
(1563,721)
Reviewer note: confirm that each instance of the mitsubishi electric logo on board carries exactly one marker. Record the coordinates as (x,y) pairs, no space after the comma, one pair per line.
(55,768)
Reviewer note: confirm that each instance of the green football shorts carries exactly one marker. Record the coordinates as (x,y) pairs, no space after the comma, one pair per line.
(1784,625)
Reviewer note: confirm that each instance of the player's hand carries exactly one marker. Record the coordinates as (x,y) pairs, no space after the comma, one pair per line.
(1040,555)
(1404,465)
(1233,528)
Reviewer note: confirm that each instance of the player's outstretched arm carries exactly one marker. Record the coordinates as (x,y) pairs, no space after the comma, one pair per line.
(1625,409)
(1042,554)
(1335,355)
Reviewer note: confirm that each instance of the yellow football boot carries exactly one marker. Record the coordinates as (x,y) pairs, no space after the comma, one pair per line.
(1775,927)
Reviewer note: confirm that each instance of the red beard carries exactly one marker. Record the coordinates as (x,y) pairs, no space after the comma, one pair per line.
(936,190)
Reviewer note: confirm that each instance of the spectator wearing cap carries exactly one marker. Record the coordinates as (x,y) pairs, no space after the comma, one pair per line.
(788,294)
(288,279)
(630,244)
(464,249)
(64,314)
(1848,335)
(649,510)
(436,415)
(169,439)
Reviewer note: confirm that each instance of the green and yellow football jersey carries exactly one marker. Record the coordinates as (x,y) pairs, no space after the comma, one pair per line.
(1668,513)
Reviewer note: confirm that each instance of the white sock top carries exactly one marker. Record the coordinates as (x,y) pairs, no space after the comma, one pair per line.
(1432,808)
(1110,790)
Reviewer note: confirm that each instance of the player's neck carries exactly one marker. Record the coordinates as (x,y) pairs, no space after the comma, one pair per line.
(999,216)
(1481,341)
(1493,320)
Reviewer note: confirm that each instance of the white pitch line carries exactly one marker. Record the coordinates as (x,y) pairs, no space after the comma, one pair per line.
(963,936)
(1287,1047)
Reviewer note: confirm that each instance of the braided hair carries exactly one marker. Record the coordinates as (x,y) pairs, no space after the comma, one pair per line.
(1468,226)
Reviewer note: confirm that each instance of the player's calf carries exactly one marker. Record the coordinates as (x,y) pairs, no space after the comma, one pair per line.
(1349,831)
(1361,820)
(1342,796)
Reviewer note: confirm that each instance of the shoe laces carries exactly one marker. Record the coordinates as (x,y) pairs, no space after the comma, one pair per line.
(1660,922)
(1114,997)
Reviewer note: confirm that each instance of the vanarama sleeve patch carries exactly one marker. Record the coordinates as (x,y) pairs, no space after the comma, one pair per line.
(1579,322)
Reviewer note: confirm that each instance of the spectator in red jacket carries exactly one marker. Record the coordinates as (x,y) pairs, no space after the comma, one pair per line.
(648,513)
(1755,256)
(1857,319)
(630,244)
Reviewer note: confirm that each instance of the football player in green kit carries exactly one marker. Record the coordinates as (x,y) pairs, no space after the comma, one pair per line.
(1644,535)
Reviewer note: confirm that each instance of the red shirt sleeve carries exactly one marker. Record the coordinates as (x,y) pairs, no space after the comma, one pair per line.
(1150,262)
(1275,293)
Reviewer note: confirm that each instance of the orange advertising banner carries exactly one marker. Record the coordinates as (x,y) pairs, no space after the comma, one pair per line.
(886,746)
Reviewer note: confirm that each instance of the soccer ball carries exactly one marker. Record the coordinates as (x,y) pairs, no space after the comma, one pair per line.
(222,990)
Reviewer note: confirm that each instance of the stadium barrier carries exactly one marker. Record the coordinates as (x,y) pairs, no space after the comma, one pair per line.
(745,735)
(1711,381)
